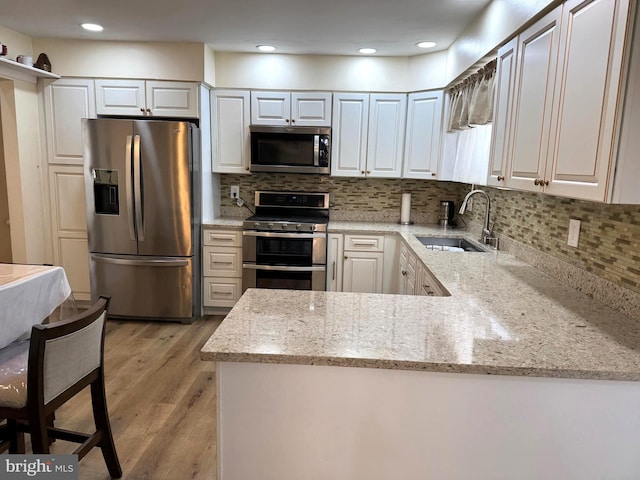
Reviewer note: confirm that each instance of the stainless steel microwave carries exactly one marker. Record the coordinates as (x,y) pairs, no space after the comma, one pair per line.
(290,149)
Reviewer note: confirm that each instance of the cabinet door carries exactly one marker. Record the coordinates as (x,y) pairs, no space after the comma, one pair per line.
(172,99)
(311,109)
(424,135)
(120,97)
(69,226)
(587,90)
(362,272)
(270,108)
(402,270)
(505,82)
(67,101)
(221,292)
(537,57)
(334,262)
(231,148)
(349,134)
(386,135)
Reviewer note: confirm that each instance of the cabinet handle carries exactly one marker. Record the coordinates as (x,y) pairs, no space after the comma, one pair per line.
(500,178)
(221,293)
(546,183)
(536,182)
(333,270)
(404,273)
(218,237)
(222,263)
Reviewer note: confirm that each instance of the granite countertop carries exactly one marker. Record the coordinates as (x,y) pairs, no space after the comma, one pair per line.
(503,317)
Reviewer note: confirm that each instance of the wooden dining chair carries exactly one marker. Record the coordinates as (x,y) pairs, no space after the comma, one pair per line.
(63,358)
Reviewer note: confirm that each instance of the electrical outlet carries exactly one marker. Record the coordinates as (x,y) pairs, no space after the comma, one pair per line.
(574,232)
(235,191)
(470,204)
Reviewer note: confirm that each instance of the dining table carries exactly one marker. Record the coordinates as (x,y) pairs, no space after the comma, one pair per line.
(29,295)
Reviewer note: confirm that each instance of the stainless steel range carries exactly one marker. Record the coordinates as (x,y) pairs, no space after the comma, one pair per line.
(284,244)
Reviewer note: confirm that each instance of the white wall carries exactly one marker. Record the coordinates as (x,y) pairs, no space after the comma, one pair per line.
(209,66)
(496,24)
(17,43)
(311,72)
(150,60)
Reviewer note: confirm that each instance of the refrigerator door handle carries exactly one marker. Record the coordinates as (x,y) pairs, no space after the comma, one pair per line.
(152,262)
(137,180)
(129,188)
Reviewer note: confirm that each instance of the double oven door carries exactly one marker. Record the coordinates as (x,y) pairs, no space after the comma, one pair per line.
(288,260)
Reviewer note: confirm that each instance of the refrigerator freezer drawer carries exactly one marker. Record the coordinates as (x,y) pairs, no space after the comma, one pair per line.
(158,288)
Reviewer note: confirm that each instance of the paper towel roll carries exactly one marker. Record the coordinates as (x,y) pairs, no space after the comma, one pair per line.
(405,208)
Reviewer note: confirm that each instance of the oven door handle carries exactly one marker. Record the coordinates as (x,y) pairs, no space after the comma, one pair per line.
(283,268)
(301,236)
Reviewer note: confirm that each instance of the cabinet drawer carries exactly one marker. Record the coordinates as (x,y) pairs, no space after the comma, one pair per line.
(222,261)
(221,292)
(364,243)
(222,238)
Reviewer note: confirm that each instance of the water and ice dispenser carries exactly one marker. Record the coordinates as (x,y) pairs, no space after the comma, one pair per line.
(105,191)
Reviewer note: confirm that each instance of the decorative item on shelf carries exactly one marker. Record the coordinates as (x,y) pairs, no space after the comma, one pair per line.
(3,49)
(43,62)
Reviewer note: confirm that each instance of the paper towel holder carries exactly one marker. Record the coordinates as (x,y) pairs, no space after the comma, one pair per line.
(405,210)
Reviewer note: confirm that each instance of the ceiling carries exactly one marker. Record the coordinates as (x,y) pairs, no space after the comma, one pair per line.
(332,27)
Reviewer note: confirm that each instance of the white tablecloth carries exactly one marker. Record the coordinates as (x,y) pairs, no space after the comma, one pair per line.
(28,295)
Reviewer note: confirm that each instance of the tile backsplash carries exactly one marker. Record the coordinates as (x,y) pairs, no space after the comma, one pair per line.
(361,199)
(609,244)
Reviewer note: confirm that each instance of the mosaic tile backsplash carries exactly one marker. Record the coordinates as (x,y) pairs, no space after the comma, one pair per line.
(609,245)
(352,199)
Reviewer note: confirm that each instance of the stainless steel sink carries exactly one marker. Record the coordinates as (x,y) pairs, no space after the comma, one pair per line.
(450,244)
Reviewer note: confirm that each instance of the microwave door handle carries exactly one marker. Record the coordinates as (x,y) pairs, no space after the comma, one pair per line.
(316,150)
(137,180)
(129,188)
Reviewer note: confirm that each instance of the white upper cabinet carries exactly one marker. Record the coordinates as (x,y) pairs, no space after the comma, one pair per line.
(349,134)
(368,135)
(557,132)
(67,102)
(302,109)
(147,98)
(387,116)
(532,104)
(231,147)
(423,136)
(587,87)
(504,86)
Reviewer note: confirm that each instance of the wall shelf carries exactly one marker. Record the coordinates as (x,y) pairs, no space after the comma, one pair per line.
(17,71)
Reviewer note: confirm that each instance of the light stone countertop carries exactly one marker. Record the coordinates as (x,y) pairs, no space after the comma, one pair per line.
(503,317)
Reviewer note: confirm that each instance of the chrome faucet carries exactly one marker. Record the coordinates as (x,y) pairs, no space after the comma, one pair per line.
(485,228)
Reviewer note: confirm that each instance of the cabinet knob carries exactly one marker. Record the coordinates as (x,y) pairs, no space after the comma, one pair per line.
(148,110)
(546,183)
(286,120)
(246,168)
(500,178)
(368,172)
(404,273)
(536,182)
(293,120)
(433,174)
(362,172)
(142,110)
(346,258)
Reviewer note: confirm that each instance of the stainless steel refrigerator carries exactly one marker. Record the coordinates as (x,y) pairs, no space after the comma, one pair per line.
(143,216)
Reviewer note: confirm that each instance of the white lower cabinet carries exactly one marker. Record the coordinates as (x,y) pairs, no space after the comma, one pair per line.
(363,263)
(335,253)
(221,267)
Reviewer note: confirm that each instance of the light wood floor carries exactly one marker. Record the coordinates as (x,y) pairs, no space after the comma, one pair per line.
(161,400)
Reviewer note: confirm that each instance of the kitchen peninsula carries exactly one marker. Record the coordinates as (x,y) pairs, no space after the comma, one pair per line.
(514,375)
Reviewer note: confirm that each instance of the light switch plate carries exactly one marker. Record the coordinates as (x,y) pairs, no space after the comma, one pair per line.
(574,232)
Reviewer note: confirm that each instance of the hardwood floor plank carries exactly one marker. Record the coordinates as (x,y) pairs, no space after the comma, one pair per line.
(161,400)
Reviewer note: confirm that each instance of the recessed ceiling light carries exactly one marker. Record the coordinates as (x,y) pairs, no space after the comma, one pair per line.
(367,51)
(266,48)
(426,44)
(92,27)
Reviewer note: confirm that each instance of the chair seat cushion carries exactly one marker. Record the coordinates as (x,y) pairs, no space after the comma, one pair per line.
(13,374)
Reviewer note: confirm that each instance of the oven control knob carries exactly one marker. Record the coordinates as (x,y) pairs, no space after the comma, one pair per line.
(270,226)
(284,226)
(312,228)
(256,225)
(298,226)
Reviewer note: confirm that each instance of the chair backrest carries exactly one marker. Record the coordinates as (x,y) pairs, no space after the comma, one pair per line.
(66,356)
